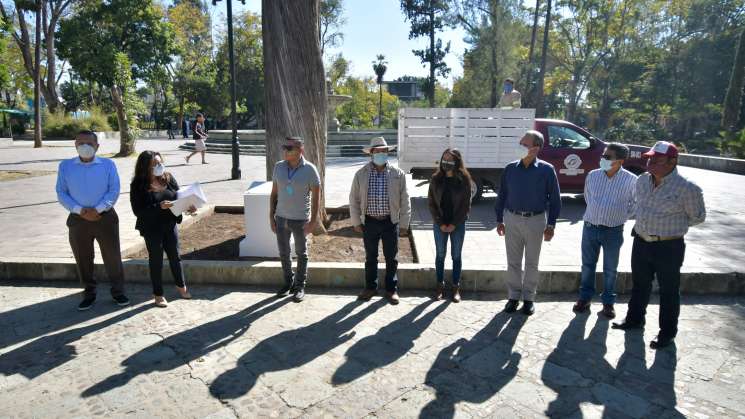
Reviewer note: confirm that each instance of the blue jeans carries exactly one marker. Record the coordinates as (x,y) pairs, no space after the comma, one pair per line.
(593,238)
(456,245)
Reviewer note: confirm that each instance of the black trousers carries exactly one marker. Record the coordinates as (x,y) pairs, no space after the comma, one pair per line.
(660,260)
(105,231)
(374,232)
(157,242)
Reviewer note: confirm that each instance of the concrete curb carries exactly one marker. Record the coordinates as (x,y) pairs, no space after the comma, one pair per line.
(351,275)
(203,212)
(719,164)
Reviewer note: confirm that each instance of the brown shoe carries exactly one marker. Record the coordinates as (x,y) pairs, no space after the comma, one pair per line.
(581,306)
(392,297)
(456,294)
(367,294)
(185,294)
(439,292)
(609,311)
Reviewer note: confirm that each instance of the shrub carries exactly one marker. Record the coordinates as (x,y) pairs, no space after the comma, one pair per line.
(59,124)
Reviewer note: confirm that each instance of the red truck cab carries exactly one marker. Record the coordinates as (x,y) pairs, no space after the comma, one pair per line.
(574,152)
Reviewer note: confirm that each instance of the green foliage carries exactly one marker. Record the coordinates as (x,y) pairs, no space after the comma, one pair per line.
(362,110)
(133,105)
(734,143)
(332,20)
(63,125)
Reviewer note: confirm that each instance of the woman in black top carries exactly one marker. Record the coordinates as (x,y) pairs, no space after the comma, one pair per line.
(449,203)
(151,194)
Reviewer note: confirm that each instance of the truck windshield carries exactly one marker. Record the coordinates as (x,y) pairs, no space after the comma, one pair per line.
(564,137)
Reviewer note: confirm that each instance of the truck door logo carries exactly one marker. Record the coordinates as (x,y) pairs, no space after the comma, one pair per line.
(572,163)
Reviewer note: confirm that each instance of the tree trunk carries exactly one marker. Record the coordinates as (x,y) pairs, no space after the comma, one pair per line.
(37,78)
(126,142)
(295,92)
(181,115)
(50,88)
(494,82)
(733,99)
(540,107)
(431,86)
(529,77)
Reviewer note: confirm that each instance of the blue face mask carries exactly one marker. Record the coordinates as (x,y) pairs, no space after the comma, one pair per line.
(606,165)
(380,159)
(507,88)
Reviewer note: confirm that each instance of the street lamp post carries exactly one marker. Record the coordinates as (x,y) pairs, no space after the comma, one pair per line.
(235,172)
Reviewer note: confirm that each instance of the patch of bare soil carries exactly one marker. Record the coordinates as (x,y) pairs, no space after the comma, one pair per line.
(6,175)
(217,237)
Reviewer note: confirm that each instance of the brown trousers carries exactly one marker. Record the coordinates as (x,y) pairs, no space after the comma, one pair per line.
(105,231)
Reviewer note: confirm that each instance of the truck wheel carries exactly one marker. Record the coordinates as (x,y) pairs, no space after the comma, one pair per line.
(477,190)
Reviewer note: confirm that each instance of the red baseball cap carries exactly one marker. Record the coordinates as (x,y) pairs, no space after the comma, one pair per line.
(662,148)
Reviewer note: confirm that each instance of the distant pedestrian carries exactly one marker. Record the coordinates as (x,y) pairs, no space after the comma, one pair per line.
(200,136)
(511,98)
(151,194)
(449,202)
(169,127)
(88,187)
(185,127)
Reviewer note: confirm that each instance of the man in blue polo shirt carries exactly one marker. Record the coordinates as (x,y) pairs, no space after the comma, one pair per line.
(88,187)
(528,205)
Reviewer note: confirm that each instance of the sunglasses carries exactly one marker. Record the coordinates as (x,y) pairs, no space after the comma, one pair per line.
(288,147)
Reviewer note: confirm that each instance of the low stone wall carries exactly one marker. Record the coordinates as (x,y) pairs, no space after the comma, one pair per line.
(719,164)
(4,142)
(351,275)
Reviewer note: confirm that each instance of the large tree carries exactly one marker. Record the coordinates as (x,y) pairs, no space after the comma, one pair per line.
(428,17)
(733,99)
(295,93)
(131,31)
(51,13)
(330,21)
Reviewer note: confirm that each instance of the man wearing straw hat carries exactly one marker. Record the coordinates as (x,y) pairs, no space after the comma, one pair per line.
(380,210)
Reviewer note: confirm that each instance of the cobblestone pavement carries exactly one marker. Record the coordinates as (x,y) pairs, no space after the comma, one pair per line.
(240,352)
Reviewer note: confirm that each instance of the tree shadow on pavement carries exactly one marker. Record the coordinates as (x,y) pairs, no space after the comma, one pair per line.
(474,370)
(291,349)
(187,346)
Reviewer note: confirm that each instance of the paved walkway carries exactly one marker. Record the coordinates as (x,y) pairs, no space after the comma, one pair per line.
(239,352)
(30,214)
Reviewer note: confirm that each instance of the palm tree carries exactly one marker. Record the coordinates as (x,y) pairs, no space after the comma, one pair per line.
(379,67)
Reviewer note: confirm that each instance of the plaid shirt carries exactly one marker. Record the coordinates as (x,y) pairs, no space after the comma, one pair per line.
(668,209)
(377,194)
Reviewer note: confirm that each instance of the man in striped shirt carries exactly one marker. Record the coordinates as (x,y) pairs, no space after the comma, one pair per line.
(609,194)
(667,204)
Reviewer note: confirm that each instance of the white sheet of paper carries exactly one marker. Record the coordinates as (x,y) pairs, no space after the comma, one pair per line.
(188,196)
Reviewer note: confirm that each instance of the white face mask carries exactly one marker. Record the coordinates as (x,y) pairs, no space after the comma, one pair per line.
(159,170)
(86,151)
(605,164)
(380,159)
(526,150)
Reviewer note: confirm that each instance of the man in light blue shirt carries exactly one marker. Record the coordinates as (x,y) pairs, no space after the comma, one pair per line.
(609,194)
(88,187)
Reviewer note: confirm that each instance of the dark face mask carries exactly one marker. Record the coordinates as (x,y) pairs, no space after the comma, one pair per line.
(447,165)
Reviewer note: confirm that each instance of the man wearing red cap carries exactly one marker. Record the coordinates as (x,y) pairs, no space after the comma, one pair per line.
(667,204)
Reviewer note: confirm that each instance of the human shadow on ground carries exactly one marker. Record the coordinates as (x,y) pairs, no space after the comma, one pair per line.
(474,370)
(291,349)
(390,343)
(51,351)
(579,373)
(187,346)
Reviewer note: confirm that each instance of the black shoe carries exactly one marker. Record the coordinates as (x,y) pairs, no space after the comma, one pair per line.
(86,304)
(627,326)
(581,306)
(661,341)
(511,306)
(284,290)
(121,300)
(299,294)
(528,308)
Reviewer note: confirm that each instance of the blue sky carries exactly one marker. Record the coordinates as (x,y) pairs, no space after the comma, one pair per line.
(378,27)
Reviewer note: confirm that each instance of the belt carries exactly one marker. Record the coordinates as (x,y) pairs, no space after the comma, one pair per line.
(652,238)
(601,226)
(379,218)
(526,213)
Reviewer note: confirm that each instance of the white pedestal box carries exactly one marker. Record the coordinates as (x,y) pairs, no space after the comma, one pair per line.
(260,241)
